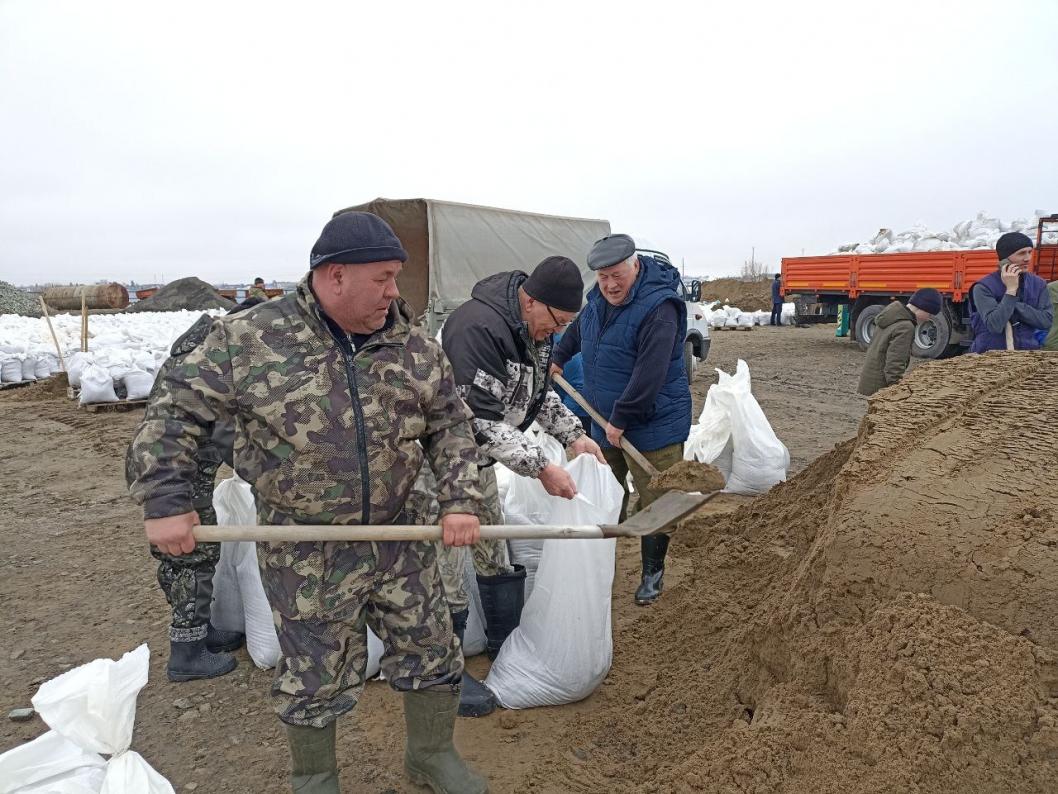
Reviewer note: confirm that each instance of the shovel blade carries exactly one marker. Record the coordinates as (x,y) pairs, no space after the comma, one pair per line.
(662,514)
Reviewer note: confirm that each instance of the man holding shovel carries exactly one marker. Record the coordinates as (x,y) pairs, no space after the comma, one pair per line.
(631,336)
(336,397)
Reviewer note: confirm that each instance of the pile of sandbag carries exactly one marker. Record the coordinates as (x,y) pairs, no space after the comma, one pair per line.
(981,232)
(734,435)
(91,711)
(124,351)
(733,317)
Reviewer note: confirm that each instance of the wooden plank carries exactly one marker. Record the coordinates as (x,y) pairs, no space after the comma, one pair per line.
(120,405)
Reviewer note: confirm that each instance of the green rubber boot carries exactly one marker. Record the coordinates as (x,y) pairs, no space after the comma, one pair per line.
(431,758)
(314,767)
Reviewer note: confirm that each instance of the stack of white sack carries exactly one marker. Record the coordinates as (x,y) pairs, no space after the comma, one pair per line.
(91,711)
(130,348)
(981,232)
(734,435)
(563,647)
(733,317)
(239,600)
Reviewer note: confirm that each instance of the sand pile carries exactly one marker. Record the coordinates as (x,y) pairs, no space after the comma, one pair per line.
(184,293)
(689,475)
(884,621)
(749,296)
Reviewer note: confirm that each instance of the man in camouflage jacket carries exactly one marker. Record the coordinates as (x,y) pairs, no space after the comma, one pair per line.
(337,398)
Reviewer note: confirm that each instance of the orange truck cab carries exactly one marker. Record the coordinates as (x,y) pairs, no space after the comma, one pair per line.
(866,283)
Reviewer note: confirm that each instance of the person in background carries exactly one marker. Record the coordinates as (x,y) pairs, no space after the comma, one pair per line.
(631,334)
(1010,295)
(257,290)
(889,352)
(1051,340)
(776,300)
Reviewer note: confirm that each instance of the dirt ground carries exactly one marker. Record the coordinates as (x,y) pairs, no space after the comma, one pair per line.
(79,584)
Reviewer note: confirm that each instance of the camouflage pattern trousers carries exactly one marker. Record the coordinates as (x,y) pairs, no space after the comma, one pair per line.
(323,598)
(187,579)
(490,557)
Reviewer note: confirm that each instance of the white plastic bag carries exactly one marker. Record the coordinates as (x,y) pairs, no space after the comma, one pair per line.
(29,368)
(91,711)
(474,635)
(759,459)
(138,384)
(563,647)
(45,366)
(97,386)
(234,503)
(11,369)
(711,436)
(226,611)
(76,365)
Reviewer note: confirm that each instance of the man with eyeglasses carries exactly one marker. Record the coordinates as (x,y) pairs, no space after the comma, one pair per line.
(500,343)
(631,336)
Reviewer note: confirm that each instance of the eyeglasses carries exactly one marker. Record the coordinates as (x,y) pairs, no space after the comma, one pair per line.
(555,319)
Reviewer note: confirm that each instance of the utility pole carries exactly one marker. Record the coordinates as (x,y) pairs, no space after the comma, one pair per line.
(683,266)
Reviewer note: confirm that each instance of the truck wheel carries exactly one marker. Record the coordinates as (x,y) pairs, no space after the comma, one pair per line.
(865,324)
(933,337)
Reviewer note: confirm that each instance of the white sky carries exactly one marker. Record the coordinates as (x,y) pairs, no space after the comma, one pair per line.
(145,140)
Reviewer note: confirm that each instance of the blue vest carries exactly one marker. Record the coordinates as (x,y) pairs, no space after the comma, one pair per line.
(1025,338)
(610,356)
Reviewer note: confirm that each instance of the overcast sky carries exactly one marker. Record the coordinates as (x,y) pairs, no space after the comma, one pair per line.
(146,141)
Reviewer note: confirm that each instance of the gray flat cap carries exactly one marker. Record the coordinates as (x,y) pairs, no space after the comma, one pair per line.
(610,251)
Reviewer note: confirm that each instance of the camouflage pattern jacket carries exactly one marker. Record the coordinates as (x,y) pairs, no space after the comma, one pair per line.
(327,433)
(505,376)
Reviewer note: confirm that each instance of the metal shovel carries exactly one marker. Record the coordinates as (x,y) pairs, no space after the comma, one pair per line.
(664,513)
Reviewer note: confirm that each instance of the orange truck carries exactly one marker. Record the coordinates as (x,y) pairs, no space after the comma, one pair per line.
(866,283)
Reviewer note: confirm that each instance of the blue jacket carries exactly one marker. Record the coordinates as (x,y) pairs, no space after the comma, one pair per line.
(610,357)
(573,372)
(776,287)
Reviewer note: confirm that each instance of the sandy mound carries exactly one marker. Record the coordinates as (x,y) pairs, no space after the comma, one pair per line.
(884,621)
(184,293)
(689,475)
(749,296)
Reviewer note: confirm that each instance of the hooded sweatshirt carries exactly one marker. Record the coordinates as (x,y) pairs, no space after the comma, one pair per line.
(889,353)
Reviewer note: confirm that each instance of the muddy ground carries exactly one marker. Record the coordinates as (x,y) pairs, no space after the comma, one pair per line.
(77,584)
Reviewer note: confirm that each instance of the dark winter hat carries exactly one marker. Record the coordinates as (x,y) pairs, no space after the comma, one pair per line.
(1012,242)
(610,251)
(258,280)
(927,299)
(556,282)
(356,238)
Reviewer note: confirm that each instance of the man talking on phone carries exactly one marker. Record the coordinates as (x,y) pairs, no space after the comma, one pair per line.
(1011,295)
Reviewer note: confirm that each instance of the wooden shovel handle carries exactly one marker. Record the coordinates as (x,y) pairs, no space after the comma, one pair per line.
(626,445)
(297,533)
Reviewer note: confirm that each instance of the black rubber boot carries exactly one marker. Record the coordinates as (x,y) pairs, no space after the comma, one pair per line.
(314,765)
(475,699)
(191,660)
(431,759)
(502,599)
(654,548)
(219,641)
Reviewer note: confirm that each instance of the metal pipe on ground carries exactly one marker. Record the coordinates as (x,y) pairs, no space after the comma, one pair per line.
(96,296)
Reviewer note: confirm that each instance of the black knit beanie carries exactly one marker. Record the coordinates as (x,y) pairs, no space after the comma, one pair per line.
(1012,242)
(927,299)
(556,282)
(356,238)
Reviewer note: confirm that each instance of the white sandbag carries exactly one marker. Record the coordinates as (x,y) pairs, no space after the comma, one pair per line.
(97,386)
(91,711)
(234,503)
(75,365)
(745,320)
(11,369)
(712,433)
(138,384)
(563,647)
(45,367)
(29,368)
(527,554)
(759,459)
(226,612)
(474,635)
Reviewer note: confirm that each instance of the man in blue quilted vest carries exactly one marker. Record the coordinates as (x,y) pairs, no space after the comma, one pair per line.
(630,334)
(1010,295)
